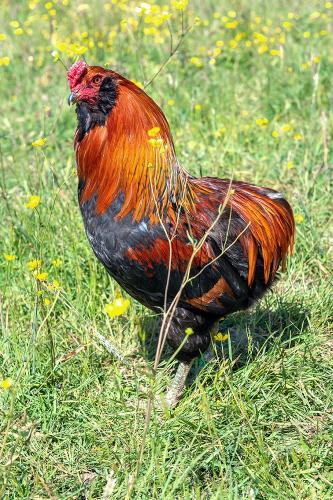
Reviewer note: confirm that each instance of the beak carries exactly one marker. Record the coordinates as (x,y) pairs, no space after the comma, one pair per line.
(71,98)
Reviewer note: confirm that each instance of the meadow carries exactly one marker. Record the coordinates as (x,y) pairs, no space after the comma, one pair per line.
(247,89)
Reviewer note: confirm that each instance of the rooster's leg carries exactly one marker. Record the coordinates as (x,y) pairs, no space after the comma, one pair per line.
(175,391)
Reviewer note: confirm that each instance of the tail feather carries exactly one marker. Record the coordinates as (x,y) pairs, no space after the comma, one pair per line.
(271,226)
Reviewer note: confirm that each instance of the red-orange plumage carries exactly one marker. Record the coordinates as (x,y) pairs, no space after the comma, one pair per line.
(144,213)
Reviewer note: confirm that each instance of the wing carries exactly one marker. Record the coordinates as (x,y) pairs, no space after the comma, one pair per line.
(224,259)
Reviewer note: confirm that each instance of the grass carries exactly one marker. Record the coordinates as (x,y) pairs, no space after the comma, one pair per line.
(70,422)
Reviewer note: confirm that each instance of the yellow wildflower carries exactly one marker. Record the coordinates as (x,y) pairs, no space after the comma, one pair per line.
(57,262)
(14,24)
(290,164)
(219,43)
(299,218)
(42,276)
(179,4)
(9,257)
(287,25)
(314,15)
(298,137)
(231,25)
(221,337)
(118,307)
(171,102)
(317,59)
(156,143)
(18,31)
(262,122)
(198,107)
(33,202)
(275,52)
(275,134)
(55,285)
(286,127)
(220,132)
(262,49)
(196,61)
(138,84)
(33,264)
(153,132)
(4,61)
(2,37)
(6,383)
(47,301)
(38,143)
(259,37)
(306,34)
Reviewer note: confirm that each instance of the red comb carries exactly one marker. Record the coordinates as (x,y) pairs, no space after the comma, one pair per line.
(75,73)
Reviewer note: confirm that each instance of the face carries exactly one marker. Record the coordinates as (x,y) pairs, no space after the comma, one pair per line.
(86,83)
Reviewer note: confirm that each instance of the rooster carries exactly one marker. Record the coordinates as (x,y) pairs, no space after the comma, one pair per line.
(214,245)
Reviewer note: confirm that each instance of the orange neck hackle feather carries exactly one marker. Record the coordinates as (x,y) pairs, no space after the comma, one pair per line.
(132,151)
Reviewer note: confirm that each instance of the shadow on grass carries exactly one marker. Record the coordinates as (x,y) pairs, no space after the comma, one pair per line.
(249,332)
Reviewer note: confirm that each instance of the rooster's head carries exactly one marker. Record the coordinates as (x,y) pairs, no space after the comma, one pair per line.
(92,85)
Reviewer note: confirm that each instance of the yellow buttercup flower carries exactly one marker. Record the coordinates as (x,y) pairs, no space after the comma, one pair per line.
(57,262)
(220,132)
(231,25)
(47,301)
(9,257)
(179,4)
(221,337)
(55,285)
(33,202)
(286,127)
(156,143)
(299,218)
(262,122)
(33,264)
(287,25)
(117,308)
(275,134)
(138,84)
(262,49)
(6,383)
(4,61)
(196,61)
(189,331)
(153,132)
(39,143)
(42,276)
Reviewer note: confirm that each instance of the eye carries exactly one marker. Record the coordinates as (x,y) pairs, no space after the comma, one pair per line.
(96,79)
